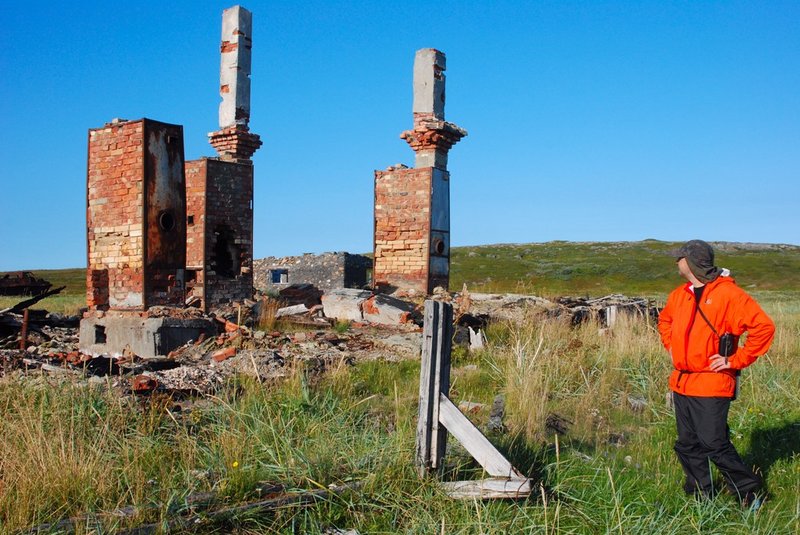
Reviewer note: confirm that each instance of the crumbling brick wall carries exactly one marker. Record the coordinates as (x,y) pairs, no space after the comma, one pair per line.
(135,215)
(402,227)
(219,245)
(195,227)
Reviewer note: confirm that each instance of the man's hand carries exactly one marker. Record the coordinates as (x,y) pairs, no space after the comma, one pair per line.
(718,363)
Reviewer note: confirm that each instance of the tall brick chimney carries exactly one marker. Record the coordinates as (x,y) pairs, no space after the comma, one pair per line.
(412,206)
(136,205)
(219,191)
(432,137)
(234,141)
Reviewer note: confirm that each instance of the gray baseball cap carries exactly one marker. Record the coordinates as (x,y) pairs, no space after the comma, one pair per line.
(700,257)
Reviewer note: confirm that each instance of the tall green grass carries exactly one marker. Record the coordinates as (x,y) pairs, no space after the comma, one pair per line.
(68,449)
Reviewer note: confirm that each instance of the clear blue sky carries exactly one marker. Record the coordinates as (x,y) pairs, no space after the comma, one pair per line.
(587,120)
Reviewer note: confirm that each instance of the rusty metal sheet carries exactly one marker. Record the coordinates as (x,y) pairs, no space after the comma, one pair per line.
(22,283)
(165,191)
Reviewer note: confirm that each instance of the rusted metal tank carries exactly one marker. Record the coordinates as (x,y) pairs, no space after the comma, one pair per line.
(22,283)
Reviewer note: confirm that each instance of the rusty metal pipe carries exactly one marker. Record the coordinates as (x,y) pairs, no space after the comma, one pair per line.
(23,335)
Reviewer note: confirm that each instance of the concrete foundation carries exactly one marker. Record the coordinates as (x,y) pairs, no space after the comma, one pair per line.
(144,337)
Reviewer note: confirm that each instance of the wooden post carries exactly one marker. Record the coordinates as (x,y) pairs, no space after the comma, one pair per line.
(438,415)
(434,379)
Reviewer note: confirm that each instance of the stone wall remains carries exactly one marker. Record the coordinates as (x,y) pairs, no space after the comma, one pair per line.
(326,271)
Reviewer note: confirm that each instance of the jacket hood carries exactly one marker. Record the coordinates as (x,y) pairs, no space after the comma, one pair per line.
(723,278)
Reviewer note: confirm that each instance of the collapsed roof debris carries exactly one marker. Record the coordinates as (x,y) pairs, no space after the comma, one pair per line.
(22,283)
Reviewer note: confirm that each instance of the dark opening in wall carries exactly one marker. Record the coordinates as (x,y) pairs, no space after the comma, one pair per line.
(438,246)
(225,253)
(278,276)
(166,220)
(100,334)
(190,220)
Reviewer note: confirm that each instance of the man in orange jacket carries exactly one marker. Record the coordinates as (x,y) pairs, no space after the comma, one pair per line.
(703,382)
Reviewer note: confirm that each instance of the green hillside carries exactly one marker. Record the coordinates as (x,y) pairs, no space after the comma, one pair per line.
(599,268)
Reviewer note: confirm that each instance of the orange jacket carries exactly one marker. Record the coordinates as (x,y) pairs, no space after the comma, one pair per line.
(690,341)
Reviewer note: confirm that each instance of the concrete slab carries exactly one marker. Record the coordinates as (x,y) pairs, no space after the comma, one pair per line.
(144,337)
(345,304)
(387,310)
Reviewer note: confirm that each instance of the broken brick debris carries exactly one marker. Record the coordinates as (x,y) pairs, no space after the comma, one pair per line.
(223,354)
(143,384)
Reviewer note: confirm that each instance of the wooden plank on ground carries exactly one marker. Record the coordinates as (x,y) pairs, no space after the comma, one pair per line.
(489,488)
(473,440)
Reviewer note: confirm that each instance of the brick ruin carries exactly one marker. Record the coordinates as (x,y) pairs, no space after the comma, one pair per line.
(136,202)
(412,205)
(326,271)
(165,232)
(161,231)
(219,216)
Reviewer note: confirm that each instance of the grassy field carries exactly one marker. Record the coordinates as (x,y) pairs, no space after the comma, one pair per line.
(633,268)
(68,301)
(67,449)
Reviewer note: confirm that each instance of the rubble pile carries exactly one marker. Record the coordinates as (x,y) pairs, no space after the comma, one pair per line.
(368,326)
(201,366)
(605,309)
(516,307)
(47,331)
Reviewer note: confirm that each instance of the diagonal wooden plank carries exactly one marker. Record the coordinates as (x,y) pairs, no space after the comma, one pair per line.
(473,440)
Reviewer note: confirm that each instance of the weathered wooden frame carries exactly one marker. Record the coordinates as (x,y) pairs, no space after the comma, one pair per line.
(438,415)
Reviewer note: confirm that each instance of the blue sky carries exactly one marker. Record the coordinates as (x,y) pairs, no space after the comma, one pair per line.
(587,120)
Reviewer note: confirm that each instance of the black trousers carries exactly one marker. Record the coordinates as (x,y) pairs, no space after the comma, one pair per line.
(703,436)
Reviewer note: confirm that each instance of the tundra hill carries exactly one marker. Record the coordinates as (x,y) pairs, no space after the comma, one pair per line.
(558,268)
(599,268)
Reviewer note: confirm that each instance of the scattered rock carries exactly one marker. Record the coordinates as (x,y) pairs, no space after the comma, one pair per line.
(471,406)
(637,403)
(386,310)
(291,310)
(617,439)
(345,304)
(496,414)
(557,423)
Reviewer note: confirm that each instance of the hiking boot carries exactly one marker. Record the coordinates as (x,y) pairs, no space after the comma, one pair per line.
(753,500)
